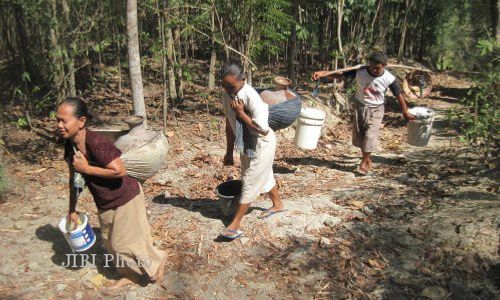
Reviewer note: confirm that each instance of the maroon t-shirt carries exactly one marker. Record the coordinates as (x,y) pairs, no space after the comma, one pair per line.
(108,193)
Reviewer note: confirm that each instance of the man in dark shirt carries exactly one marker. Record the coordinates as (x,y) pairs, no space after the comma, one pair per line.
(372,82)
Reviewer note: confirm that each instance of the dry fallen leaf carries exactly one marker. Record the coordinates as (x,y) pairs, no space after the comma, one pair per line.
(435,293)
(170,134)
(357,204)
(37,171)
(375,264)
(99,280)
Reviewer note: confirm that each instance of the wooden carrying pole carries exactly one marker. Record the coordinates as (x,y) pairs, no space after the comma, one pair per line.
(341,71)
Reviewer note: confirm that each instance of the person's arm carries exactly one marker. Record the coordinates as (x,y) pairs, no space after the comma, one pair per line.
(73,199)
(228,158)
(328,74)
(398,93)
(115,169)
(253,111)
(404,107)
(322,74)
(239,109)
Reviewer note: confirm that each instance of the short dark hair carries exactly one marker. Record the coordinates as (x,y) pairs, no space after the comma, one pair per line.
(378,57)
(233,68)
(80,108)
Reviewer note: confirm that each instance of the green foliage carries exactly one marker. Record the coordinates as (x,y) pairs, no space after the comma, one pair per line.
(458,29)
(21,122)
(482,114)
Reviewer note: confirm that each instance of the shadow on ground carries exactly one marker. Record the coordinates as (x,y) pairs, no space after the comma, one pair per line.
(64,256)
(206,207)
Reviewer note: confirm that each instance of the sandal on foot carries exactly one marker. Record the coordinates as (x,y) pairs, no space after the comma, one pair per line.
(363,173)
(267,213)
(231,234)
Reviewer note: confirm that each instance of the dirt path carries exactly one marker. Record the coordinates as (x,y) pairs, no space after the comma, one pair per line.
(427,224)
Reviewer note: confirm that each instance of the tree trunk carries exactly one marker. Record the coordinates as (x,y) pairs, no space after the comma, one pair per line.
(292,52)
(213,56)
(403,34)
(248,46)
(161,30)
(170,54)
(58,66)
(495,26)
(379,6)
(25,55)
(422,37)
(340,13)
(177,62)
(134,60)
(326,46)
(68,53)
(321,34)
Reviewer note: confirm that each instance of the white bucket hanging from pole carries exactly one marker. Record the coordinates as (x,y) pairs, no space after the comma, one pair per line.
(308,129)
(419,130)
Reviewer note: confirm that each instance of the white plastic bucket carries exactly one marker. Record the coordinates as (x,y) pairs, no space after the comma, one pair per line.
(419,130)
(80,239)
(308,128)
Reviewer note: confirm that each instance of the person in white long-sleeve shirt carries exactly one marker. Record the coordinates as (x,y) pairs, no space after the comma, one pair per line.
(242,104)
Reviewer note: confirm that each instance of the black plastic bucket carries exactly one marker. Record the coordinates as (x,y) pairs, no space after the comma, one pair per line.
(229,193)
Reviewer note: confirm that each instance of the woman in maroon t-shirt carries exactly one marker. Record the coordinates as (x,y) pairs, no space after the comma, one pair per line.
(118,197)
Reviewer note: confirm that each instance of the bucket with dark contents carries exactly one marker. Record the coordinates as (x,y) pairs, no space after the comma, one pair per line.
(229,193)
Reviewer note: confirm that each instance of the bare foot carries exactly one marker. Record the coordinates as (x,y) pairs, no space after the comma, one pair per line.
(158,278)
(121,283)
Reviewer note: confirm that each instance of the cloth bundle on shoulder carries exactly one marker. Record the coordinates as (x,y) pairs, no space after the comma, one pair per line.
(144,161)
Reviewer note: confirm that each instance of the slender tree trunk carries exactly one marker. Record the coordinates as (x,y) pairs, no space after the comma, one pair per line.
(161,31)
(292,53)
(421,37)
(118,61)
(495,26)
(403,34)
(326,46)
(68,53)
(134,60)
(25,55)
(247,47)
(178,65)
(213,56)
(379,6)
(176,52)
(170,55)
(340,13)
(321,35)
(382,29)
(55,52)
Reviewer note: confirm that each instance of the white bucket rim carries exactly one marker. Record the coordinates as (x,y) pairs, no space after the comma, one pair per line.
(422,112)
(313,113)
(311,122)
(62,225)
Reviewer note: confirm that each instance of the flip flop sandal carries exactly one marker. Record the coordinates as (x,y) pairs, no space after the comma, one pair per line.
(234,234)
(268,213)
